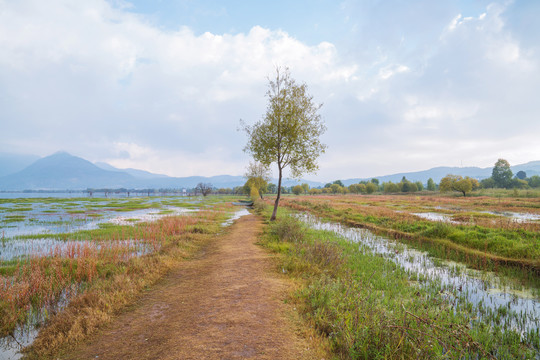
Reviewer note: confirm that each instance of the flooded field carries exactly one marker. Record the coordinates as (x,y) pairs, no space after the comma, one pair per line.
(20,217)
(77,240)
(481,255)
(499,302)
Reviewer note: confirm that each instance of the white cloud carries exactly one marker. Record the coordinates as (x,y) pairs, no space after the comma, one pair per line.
(403,91)
(81,73)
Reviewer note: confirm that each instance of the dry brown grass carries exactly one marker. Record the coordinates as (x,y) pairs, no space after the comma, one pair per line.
(107,295)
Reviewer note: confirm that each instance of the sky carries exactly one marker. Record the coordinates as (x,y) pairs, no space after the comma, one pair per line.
(162,85)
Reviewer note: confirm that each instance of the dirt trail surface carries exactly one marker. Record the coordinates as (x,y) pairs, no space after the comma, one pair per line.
(224,304)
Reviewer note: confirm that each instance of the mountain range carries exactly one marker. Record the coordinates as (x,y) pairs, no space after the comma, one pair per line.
(62,171)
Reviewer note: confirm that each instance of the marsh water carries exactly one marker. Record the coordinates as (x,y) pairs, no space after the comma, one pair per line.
(499,302)
(21,223)
(513,216)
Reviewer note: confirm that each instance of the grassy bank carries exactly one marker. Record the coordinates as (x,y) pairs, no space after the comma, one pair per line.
(482,240)
(369,309)
(99,278)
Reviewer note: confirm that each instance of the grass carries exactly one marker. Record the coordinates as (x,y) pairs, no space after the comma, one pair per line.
(369,308)
(106,271)
(483,241)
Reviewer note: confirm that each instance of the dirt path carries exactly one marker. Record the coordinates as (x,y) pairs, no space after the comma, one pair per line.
(225,304)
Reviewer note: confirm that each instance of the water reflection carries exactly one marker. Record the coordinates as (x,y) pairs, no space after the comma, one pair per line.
(496,301)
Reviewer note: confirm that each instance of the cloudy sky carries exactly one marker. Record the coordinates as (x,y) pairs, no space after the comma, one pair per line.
(162,85)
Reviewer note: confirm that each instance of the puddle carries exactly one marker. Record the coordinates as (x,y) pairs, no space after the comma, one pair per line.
(18,248)
(148,216)
(433,216)
(237,215)
(25,334)
(516,217)
(496,301)
(54,223)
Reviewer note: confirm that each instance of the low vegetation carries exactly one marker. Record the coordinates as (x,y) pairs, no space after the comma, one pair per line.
(81,287)
(369,308)
(483,240)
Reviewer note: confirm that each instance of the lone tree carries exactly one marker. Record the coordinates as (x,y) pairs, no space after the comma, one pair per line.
(203,188)
(502,174)
(288,135)
(458,183)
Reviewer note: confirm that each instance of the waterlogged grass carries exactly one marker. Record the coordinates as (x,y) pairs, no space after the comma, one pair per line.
(109,266)
(480,244)
(370,308)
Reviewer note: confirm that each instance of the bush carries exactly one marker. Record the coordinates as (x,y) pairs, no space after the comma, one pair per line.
(259,206)
(287,229)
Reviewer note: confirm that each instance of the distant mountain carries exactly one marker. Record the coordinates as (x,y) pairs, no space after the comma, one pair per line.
(11,163)
(62,171)
(437,173)
(141,174)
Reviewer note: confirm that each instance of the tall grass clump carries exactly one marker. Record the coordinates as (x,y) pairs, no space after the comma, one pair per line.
(287,229)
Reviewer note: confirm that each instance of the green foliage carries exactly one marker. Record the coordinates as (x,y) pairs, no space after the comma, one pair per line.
(407,186)
(258,177)
(522,175)
(339,182)
(502,174)
(534,181)
(488,183)
(457,183)
(390,187)
(336,189)
(272,188)
(289,134)
(297,189)
(287,229)
(519,184)
(431,185)
(371,188)
(254,193)
(305,186)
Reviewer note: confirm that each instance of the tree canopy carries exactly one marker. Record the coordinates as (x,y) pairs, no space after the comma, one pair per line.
(501,174)
(203,188)
(289,133)
(458,183)
(257,176)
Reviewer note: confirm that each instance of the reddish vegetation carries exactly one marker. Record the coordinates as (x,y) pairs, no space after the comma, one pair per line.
(38,281)
(224,304)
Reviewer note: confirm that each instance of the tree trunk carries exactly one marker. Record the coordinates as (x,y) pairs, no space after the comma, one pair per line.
(276,204)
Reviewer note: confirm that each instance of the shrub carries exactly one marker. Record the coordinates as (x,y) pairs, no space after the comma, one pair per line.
(287,229)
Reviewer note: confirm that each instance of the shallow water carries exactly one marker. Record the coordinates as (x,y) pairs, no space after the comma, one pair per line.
(237,215)
(19,248)
(433,216)
(40,221)
(517,217)
(499,302)
(24,335)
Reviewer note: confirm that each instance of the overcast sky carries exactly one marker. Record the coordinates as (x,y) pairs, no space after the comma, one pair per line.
(162,85)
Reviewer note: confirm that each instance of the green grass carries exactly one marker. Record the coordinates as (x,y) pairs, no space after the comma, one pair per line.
(517,244)
(369,309)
